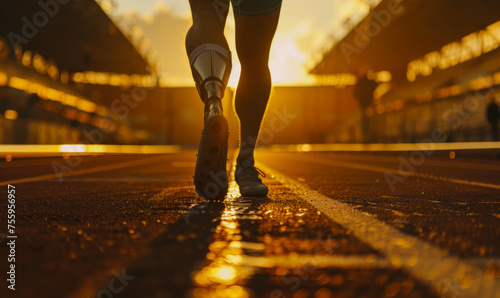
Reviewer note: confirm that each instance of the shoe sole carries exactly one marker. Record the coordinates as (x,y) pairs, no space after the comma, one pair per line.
(254,192)
(210,175)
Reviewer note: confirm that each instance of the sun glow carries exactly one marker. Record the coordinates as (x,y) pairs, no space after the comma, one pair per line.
(302,35)
(286,63)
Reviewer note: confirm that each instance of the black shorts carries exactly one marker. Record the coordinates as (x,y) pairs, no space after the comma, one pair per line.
(255,7)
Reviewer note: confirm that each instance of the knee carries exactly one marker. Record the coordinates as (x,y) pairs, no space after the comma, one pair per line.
(255,62)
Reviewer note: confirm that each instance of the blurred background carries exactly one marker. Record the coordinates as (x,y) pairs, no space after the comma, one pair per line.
(116,72)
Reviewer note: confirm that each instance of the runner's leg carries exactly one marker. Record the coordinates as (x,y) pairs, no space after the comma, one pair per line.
(210,62)
(254,35)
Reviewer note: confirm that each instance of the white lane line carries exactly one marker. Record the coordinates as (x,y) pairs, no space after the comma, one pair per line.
(357,147)
(357,166)
(431,265)
(459,164)
(125,179)
(315,261)
(58,150)
(109,167)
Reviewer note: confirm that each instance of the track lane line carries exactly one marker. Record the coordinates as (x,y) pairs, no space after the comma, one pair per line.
(429,264)
(357,166)
(317,261)
(104,168)
(450,163)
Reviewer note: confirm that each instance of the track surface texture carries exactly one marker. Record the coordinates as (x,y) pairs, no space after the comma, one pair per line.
(335,224)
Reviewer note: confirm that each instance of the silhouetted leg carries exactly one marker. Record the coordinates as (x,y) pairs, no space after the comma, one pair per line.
(210,62)
(254,35)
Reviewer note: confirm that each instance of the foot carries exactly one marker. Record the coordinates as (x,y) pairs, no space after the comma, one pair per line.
(247,177)
(210,175)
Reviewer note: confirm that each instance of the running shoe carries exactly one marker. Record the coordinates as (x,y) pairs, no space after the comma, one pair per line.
(210,175)
(247,177)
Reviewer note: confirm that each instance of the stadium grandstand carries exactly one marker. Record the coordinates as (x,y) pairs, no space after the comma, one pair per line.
(69,75)
(434,62)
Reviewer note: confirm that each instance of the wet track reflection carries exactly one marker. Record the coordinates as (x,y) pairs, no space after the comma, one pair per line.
(266,247)
(225,275)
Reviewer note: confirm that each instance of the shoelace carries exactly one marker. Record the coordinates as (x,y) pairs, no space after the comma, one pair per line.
(250,172)
(260,172)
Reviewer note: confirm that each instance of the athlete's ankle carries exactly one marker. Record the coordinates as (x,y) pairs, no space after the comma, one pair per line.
(240,158)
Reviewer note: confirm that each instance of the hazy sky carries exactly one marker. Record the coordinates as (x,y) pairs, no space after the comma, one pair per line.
(305,29)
